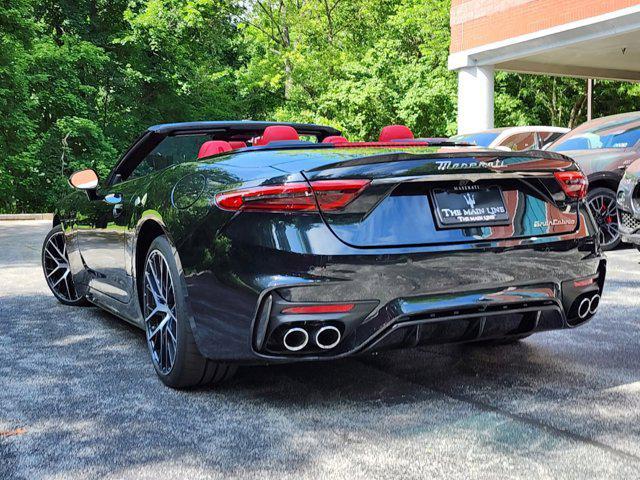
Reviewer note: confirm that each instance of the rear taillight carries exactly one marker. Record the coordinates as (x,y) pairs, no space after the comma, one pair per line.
(574,184)
(337,194)
(319,309)
(293,197)
(584,283)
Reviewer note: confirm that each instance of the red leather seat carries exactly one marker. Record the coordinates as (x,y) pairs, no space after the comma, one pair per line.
(213,147)
(237,144)
(335,139)
(277,133)
(395,132)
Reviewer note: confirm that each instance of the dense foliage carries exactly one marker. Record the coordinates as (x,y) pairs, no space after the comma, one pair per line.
(79,79)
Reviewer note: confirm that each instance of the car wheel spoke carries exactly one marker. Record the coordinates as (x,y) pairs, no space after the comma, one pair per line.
(61,279)
(167,284)
(156,279)
(66,285)
(57,267)
(173,336)
(49,255)
(152,313)
(160,327)
(55,247)
(153,288)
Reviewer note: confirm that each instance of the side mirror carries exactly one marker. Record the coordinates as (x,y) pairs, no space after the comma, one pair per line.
(84,180)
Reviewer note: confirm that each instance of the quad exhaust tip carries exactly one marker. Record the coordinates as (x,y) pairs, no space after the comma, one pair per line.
(595,301)
(328,337)
(588,306)
(584,307)
(295,339)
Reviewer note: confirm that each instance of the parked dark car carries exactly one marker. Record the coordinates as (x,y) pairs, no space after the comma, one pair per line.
(604,148)
(290,250)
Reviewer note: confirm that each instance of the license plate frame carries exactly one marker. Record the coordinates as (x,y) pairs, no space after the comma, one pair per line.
(472,214)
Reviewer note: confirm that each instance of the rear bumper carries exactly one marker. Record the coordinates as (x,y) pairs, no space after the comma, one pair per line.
(420,296)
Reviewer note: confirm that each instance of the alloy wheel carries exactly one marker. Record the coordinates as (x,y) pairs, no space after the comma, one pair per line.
(160,312)
(605,212)
(56,268)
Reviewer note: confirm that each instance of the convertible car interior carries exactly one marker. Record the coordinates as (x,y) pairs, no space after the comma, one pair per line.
(286,133)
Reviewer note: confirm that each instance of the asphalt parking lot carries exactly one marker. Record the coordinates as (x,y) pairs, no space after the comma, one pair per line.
(79,399)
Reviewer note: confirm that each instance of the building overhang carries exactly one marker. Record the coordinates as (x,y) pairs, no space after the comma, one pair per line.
(605,46)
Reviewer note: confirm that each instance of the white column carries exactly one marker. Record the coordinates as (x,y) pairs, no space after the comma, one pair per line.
(475,99)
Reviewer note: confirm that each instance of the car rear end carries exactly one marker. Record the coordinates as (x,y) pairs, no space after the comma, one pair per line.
(396,247)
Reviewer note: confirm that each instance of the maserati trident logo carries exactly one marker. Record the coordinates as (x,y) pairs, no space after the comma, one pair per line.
(470,198)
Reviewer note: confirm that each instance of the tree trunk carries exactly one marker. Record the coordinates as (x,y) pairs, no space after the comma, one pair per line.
(288,67)
(576,111)
(554,111)
(288,78)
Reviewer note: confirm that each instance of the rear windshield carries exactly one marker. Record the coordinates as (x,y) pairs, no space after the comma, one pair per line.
(615,133)
(479,139)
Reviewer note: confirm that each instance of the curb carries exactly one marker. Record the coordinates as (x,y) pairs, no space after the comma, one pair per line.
(26,216)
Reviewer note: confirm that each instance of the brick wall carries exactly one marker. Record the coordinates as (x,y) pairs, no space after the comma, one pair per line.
(479,22)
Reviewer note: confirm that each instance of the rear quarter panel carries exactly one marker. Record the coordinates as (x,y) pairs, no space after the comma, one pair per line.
(611,162)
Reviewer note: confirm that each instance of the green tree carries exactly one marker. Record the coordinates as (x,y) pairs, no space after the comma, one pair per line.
(358,65)
(79,79)
(17,29)
(545,100)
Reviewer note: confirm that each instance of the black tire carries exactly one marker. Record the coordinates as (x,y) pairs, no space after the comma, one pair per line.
(189,368)
(57,276)
(606,218)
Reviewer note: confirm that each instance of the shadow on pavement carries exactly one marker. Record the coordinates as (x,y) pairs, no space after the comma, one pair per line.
(80,383)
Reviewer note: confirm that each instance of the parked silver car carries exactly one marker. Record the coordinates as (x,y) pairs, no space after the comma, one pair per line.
(512,138)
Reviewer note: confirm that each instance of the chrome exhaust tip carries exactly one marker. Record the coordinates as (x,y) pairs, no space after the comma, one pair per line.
(595,302)
(584,307)
(295,339)
(328,337)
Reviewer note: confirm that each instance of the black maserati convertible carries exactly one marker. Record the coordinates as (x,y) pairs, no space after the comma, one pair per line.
(256,242)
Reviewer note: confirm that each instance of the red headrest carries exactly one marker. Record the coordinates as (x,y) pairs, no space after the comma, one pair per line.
(278,133)
(395,132)
(335,139)
(213,147)
(237,144)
